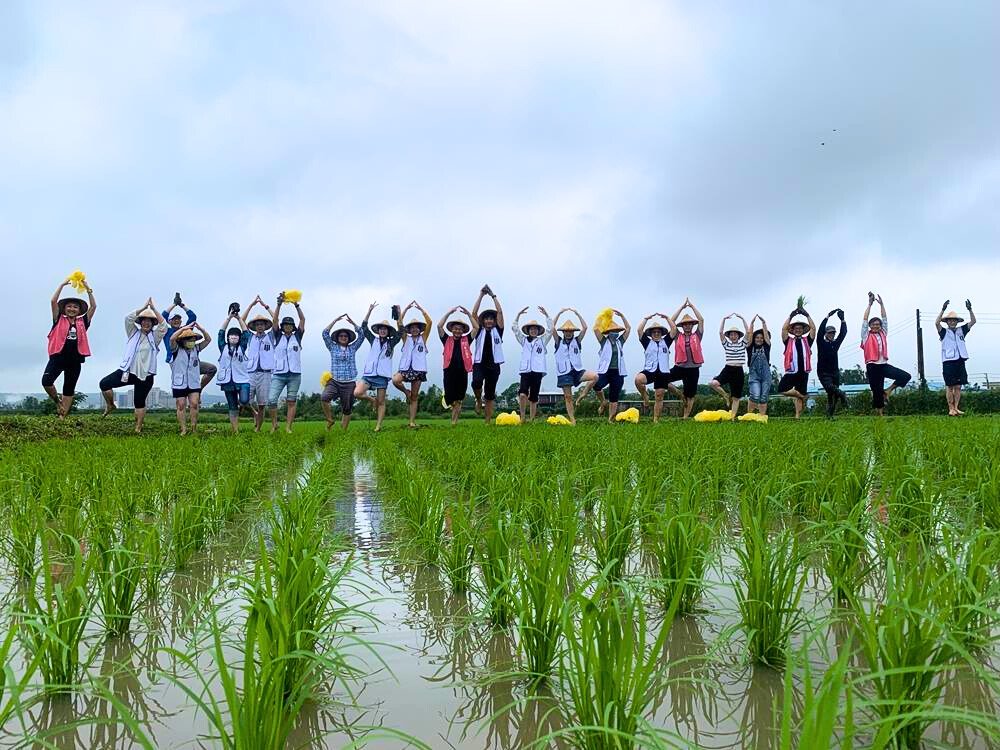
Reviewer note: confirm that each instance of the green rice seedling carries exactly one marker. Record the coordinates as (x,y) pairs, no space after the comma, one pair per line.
(681,546)
(118,574)
(911,501)
(826,715)
(498,540)
(844,544)
(772,578)
(905,641)
(609,672)
(13,686)
(613,532)
(543,574)
(459,547)
(24,528)
(969,594)
(56,615)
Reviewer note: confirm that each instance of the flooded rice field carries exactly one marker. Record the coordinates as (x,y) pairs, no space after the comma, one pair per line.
(491,589)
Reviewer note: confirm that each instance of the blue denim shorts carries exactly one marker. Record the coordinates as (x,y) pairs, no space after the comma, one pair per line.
(281,381)
(572,378)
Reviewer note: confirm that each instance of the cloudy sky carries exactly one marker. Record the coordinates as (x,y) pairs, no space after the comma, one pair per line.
(569,153)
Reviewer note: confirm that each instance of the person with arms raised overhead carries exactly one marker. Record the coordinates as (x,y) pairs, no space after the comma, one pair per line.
(260,357)
(759,364)
(144,328)
(533,338)
(798,335)
(875,344)
(954,353)
(175,322)
(655,341)
(489,355)
(68,344)
(734,337)
(186,373)
(343,345)
(688,355)
(568,339)
(828,361)
(457,337)
(382,338)
(287,375)
(234,371)
(412,358)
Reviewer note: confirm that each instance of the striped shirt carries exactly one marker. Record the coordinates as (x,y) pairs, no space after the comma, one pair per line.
(736,351)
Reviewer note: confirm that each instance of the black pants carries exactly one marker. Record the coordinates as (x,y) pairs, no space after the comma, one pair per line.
(486,377)
(142,387)
(68,367)
(831,384)
(531,385)
(878,374)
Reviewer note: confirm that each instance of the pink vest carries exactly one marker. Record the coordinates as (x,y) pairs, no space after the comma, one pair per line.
(57,336)
(449,347)
(807,357)
(870,346)
(680,350)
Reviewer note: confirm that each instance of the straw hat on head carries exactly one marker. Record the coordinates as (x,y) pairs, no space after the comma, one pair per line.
(614,328)
(526,328)
(688,318)
(82,303)
(259,317)
(415,322)
(799,320)
(657,324)
(389,326)
(483,314)
(734,327)
(352,334)
(187,333)
(569,327)
(457,322)
(952,315)
(149,312)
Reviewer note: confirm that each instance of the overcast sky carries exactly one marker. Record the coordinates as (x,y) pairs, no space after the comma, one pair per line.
(569,153)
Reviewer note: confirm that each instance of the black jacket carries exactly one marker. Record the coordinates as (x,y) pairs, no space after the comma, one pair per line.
(826,351)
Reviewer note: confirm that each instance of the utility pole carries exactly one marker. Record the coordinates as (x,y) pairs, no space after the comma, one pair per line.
(920,353)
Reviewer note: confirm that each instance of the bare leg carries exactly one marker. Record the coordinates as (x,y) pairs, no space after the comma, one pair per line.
(588,379)
(477,391)
(109,402)
(735,406)
(258,416)
(602,403)
(715,386)
(58,400)
(532,410)
(194,408)
(140,417)
(568,400)
(957,398)
(328,413)
(379,408)
(181,405)
(640,385)
(290,415)
(490,408)
(234,421)
(345,421)
(612,410)
(675,391)
(397,381)
(456,409)
(414,402)
(522,404)
(688,406)
(361,391)
(65,405)
(762,409)
(657,404)
(274,418)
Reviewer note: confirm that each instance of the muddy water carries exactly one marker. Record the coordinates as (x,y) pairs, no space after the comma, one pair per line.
(438,673)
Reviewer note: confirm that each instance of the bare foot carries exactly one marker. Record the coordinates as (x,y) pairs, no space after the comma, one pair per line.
(601,407)
(329,424)
(108,408)
(479,406)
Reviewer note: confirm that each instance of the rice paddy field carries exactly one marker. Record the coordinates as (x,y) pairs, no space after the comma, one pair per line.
(599,587)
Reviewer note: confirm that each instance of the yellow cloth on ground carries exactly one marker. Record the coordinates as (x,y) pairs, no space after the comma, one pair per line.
(753,417)
(719,415)
(558,419)
(629,415)
(505,419)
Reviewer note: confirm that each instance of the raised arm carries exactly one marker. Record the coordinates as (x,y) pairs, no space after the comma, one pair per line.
(276,315)
(555,322)
(746,327)
(205,338)
(628,326)
(92,301)
(972,315)
(765,331)
(583,325)
(250,306)
(302,319)
(518,333)
(843,327)
(368,315)
(812,327)
(55,300)
(699,316)
(479,301)
(427,322)
(444,318)
(940,317)
(784,329)
(722,329)
(473,323)
(496,301)
(547,335)
(642,325)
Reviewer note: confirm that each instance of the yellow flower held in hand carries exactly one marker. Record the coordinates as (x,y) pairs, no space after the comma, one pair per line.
(78,280)
(292,295)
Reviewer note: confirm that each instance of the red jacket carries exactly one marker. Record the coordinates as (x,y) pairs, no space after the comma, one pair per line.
(807,357)
(449,347)
(57,336)
(870,346)
(680,349)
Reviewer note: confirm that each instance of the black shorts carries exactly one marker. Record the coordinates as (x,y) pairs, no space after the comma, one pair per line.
(688,376)
(486,377)
(954,372)
(734,377)
(798,381)
(68,367)
(456,383)
(185,392)
(531,385)
(659,380)
(613,382)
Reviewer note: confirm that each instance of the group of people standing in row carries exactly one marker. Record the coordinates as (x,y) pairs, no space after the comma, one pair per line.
(260,357)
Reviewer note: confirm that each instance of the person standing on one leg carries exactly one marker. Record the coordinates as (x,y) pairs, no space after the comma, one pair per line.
(611,368)
(287,364)
(175,323)
(234,372)
(260,358)
(382,338)
(798,335)
(828,361)
(186,373)
(568,340)
(759,363)
(343,345)
(655,341)
(688,355)
(954,353)
(68,345)
(145,329)
(533,338)
(457,337)
(734,340)
(412,358)
(875,344)
(489,353)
